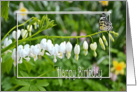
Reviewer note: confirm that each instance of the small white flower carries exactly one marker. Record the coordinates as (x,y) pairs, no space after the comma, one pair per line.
(43,44)
(23,52)
(68,49)
(49,46)
(14,57)
(16,35)
(85,46)
(24,33)
(93,46)
(7,42)
(62,49)
(55,51)
(23,12)
(76,51)
(36,51)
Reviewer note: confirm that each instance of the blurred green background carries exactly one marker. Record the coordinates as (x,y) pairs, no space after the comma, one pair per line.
(68,25)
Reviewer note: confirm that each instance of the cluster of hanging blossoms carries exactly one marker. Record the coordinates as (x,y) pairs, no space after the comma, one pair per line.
(62,50)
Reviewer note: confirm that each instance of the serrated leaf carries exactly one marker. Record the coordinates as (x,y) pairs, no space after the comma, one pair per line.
(20,82)
(4,9)
(28,66)
(43,83)
(33,21)
(33,88)
(5,84)
(41,88)
(7,63)
(25,88)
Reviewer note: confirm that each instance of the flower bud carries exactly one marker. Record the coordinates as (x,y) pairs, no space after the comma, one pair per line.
(35,25)
(93,46)
(95,54)
(85,46)
(110,36)
(29,28)
(115,34)
(101,43)
(104,39)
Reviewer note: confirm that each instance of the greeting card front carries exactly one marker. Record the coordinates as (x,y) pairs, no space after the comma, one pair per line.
(63,46)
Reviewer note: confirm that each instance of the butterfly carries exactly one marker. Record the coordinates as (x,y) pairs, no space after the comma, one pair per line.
(104,24)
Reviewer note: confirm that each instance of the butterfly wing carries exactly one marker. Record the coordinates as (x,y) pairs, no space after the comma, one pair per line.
(104,24)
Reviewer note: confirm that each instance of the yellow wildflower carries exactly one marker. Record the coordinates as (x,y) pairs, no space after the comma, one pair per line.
(104,3)
(118,67)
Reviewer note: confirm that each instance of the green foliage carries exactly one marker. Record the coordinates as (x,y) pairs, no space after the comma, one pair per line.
(5,9)
(7,63)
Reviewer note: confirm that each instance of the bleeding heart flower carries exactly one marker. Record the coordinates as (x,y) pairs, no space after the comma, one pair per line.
(77,51)
(16,35)
(24,33)
(68,49)
(85,47)
(62,49)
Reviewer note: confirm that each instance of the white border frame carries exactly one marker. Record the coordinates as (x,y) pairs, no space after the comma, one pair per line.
(66,12)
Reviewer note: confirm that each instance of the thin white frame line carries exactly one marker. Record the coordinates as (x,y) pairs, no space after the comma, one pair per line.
(66,12)
(67,77)
(109,50)
(17,47)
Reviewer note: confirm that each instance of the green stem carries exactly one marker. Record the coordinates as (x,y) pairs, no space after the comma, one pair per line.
(14,28)
(30,39)
(68,37)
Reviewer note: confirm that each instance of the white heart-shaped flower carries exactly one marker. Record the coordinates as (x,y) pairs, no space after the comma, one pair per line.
(77,49)
(85,45)
(62,49)
(7,42)
(16,35)
(43,44)
(93,46)
(24,33)
(68,49)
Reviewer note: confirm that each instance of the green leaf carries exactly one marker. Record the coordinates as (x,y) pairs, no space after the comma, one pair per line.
(7,63)
(60,82)
(28,66)
(20,82)
(5,84)
(33,88)
(41,88)
(43,83)
(33,21)
(4,9)
(25,88)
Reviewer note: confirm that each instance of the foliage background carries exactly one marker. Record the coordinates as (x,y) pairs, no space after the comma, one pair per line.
(67,24)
